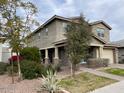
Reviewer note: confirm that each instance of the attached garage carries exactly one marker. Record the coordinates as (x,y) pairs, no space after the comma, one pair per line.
(109,53)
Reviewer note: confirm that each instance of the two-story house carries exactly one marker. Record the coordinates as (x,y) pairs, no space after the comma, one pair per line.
(51,41)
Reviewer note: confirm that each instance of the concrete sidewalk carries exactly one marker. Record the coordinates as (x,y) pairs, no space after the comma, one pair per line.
(113,88)
(121,66)
(103,74)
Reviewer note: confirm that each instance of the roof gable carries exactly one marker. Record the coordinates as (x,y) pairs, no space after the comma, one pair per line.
(102,22)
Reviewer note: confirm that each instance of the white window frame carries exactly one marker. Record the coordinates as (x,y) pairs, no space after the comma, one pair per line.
(46,31)
(100,32)
(64,25)
(39,34)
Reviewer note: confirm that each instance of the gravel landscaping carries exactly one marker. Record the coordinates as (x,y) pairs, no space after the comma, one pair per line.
(25,86)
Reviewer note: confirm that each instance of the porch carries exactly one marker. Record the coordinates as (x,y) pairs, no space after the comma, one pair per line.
(96,51)
(54,55)
(58,54)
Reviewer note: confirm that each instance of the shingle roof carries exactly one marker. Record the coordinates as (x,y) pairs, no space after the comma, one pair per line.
(119,43)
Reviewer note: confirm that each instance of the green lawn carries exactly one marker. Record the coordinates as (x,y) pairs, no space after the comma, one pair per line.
(115,71)
(84,82)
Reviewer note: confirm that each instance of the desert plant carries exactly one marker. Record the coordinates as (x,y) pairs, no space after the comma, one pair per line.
(3,67)
(50,82)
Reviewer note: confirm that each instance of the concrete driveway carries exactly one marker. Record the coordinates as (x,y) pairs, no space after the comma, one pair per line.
(113,88)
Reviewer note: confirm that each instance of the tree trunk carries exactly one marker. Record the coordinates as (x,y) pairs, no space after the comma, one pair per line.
(73,68)
(12,68)
(19,69)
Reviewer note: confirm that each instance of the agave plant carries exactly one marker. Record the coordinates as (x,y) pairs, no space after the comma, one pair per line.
(50,82)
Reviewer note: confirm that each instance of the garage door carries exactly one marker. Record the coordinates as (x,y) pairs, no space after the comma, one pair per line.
(108,53)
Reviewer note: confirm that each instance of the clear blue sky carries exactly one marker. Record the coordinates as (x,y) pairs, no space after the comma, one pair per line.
(111,11)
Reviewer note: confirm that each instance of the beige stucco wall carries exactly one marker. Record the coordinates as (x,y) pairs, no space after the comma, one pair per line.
(46,39)
(56,32)
(95,42)
(106,34)
(60,30)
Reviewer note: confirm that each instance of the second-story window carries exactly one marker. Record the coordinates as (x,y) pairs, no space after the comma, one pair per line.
(46,31)
(64,25)
(39,35)
(100,32)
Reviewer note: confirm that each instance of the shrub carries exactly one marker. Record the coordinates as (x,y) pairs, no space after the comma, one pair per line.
(31,69)
(97,62)
(3,68)
(30,53)
(50,67)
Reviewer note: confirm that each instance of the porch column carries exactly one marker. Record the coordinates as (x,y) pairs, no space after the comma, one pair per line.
(56,58)
(116,56)
(46,56)
(97,53)
(100,51)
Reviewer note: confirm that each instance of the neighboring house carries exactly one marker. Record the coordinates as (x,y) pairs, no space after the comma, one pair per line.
(120,46)
(4,52)
(51,41)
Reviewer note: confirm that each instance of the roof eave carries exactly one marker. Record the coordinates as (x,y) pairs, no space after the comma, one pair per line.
(104,23)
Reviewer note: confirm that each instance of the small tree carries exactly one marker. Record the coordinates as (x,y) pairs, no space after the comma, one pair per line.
(15,26)
(78,40)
